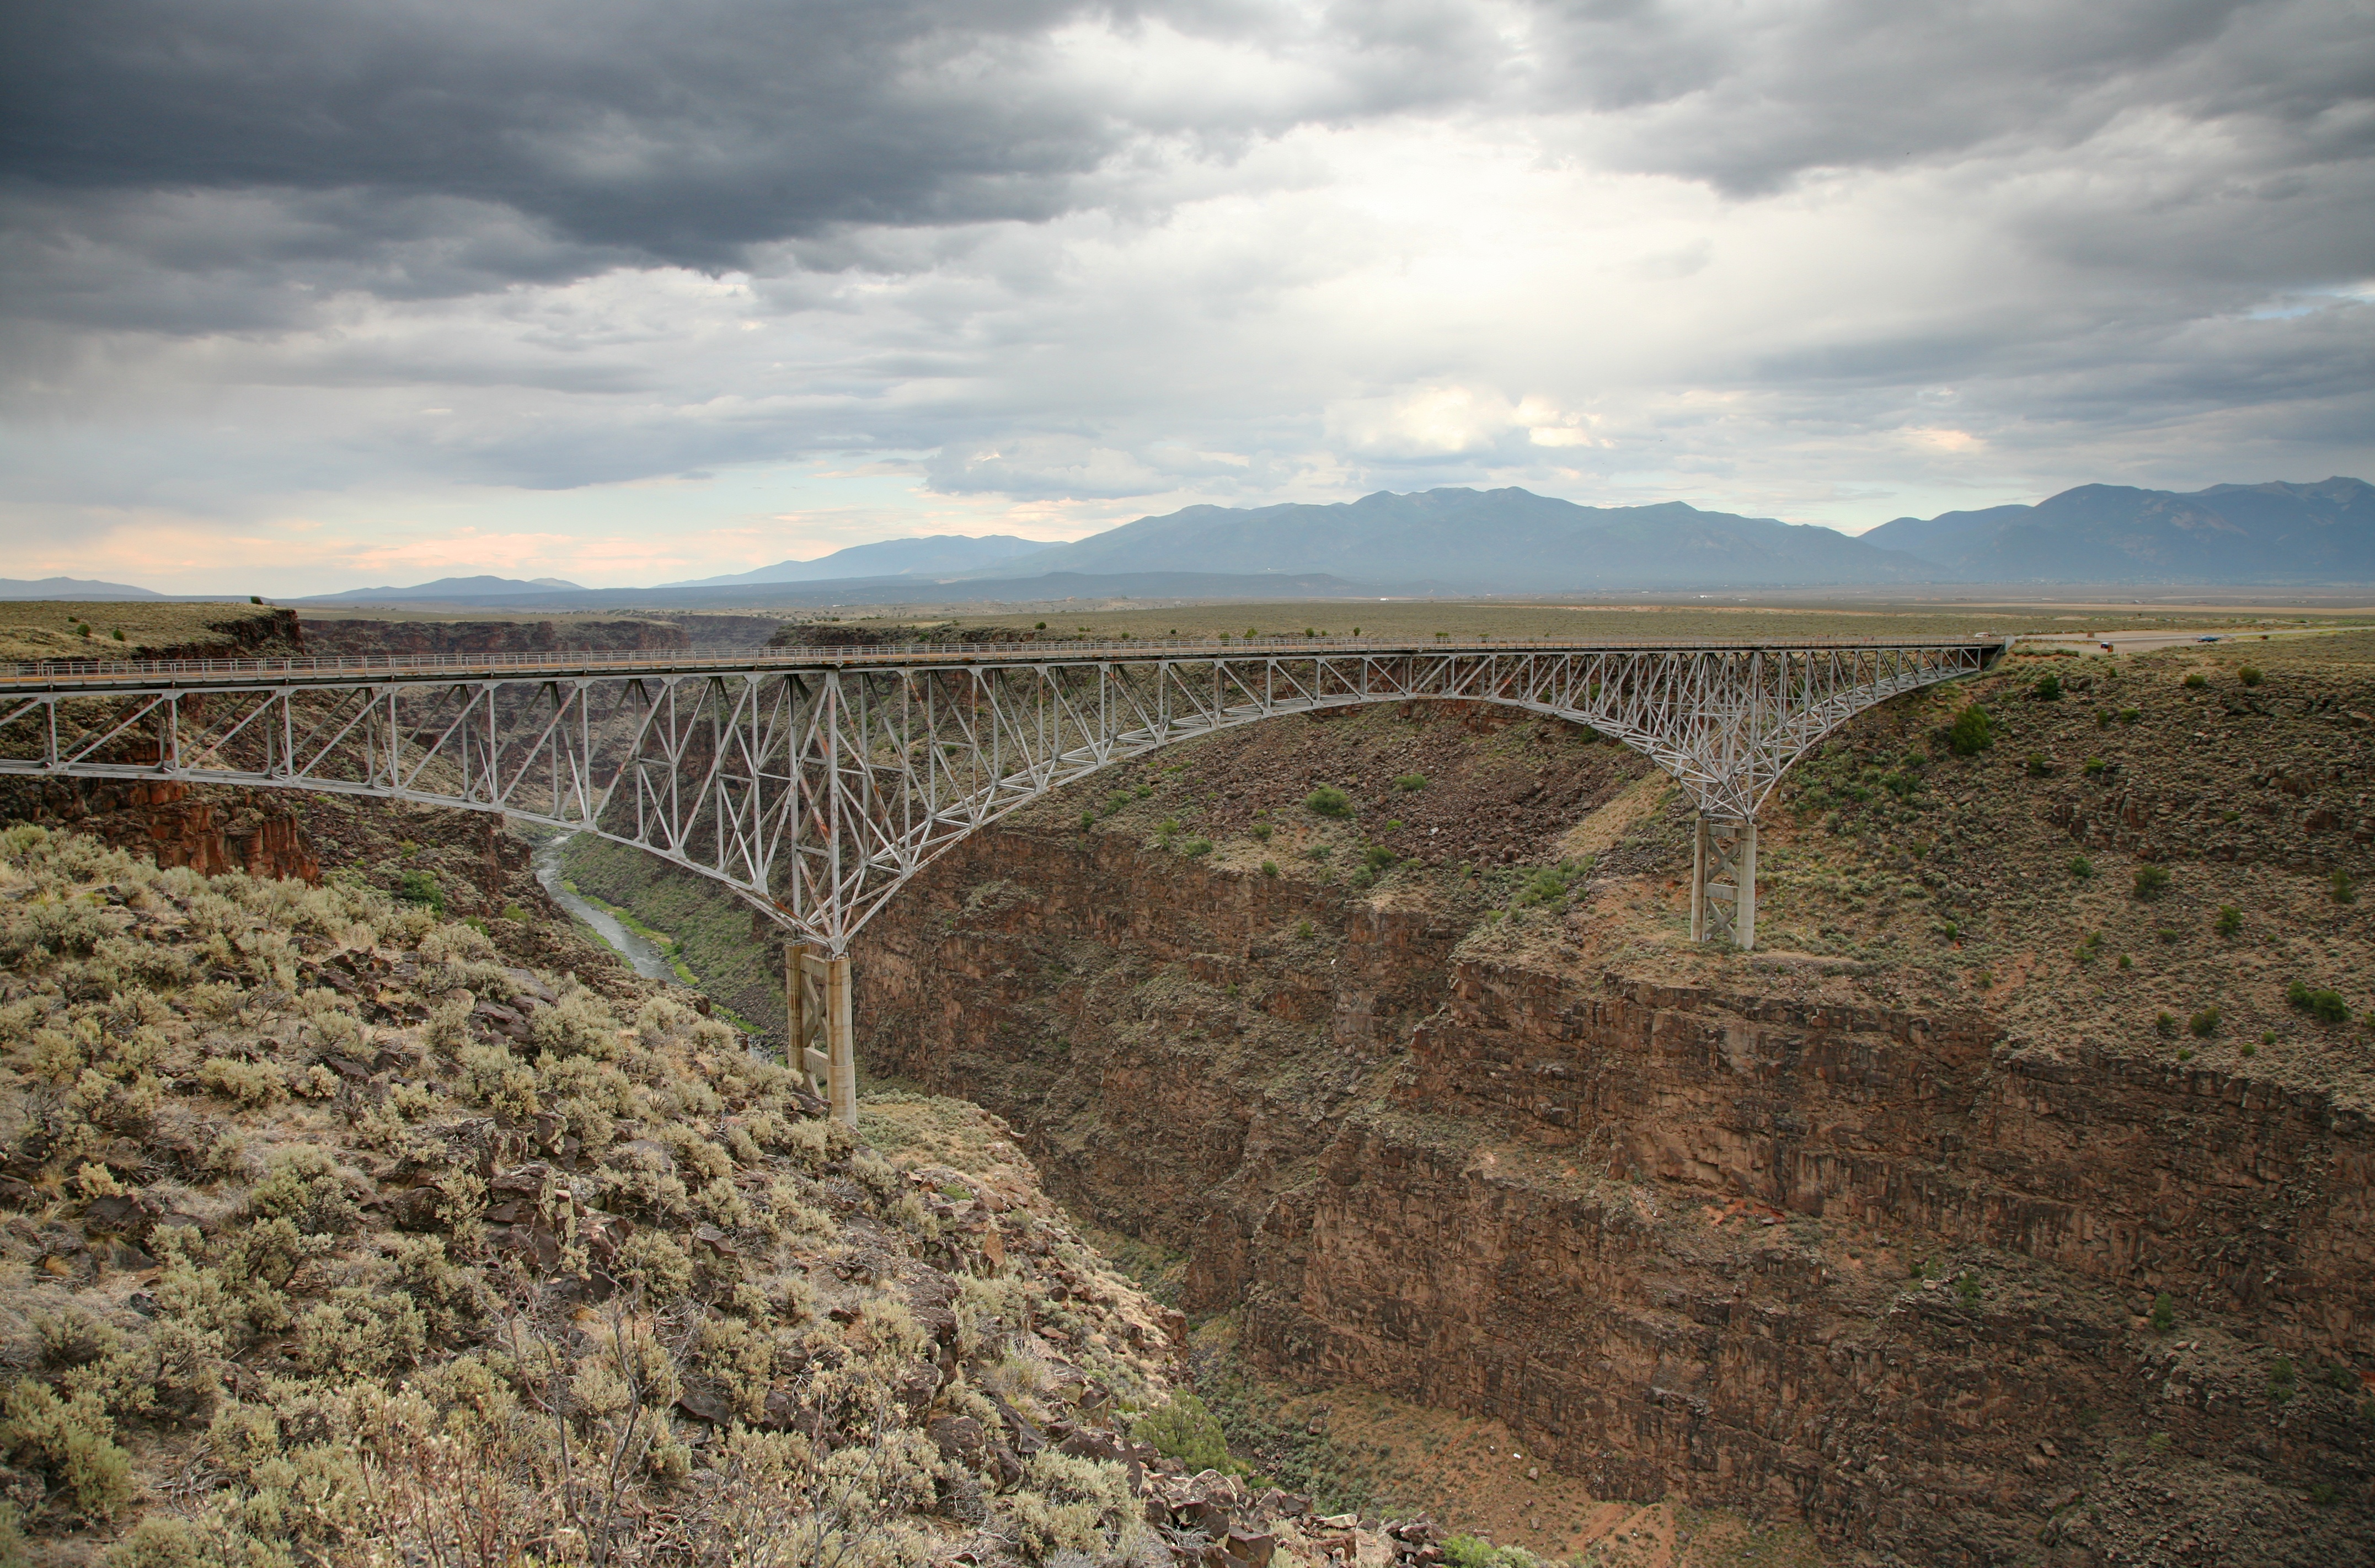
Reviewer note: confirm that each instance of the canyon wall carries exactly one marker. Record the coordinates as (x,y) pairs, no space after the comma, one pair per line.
(336,637)
(1667,1231)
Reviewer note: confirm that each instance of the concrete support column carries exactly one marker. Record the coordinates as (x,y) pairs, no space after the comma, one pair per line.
(823,1033)
(1723,881)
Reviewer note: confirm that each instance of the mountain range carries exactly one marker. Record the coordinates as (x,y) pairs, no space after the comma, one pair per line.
(2271,533)
(1457,541)
(1487,541)
(75,590)
(941,553)
(454,588)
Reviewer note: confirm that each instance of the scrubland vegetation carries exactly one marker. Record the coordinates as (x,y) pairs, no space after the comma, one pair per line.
(329,1236)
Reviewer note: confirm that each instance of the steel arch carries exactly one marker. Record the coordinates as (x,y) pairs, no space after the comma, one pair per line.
(816,782)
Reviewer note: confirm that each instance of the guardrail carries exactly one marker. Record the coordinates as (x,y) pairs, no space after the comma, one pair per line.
(950,653)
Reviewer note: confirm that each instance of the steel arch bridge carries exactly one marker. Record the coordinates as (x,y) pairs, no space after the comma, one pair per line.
(816,782)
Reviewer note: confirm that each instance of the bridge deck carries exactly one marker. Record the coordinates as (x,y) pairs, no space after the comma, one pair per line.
(147,674)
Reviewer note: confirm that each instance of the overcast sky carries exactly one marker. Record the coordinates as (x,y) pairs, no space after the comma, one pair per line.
(302,295)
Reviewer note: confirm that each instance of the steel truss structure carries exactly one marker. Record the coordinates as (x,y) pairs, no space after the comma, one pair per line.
(816,782)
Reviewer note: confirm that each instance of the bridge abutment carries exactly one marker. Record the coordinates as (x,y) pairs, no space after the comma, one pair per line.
(823,1036)
(1723,880)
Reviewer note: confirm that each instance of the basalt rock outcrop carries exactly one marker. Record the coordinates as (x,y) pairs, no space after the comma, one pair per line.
(349,637)
(208,830)
(1777,1233)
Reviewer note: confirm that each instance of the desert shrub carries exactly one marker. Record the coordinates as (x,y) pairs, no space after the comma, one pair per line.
(361,1333)
(1327,801)
(2282,1383)
(304,1187)
(2094,767)
(1062,1503)
(2037,765)
(2229,921)
(1410,781)
(2081,868)
(160,1540)
(1194,847)
(1270,868)
(2204,1024)
(2165,1025)
(2344,889)
(1972,732)
(1377,857)
(2325,1006)
(2251,675)
(2151,880)
(2130,715)
(2047,689)
(2195,681)
(1262,832)
(2163,1313)
(73,1442)
(251,1084)
(655,1264)
(1967,1286)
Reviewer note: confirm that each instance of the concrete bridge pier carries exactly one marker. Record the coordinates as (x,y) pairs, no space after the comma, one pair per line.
(1723,880)
(823,1037)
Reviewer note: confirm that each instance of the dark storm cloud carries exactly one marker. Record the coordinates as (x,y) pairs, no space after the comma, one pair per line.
(681,130)
(1747,98)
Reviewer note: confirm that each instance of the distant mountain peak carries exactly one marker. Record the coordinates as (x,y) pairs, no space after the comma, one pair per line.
(2272,532)
(920,555)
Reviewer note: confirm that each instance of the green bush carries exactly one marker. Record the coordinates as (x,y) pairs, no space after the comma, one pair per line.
(1972,733)
(2204,1024)
(2081,868)
(2163,1313)
(2165,1025)
(2151,881)
(1378,857)
(2344,889)
(2196,682)
(2229,921)
(1411,781)
(1474,1551)
(1967,1286)
(2047,689)
(2037,765)
(1262,832)
(2130,715)
(2250,675)
(1194,847)
(1270,868)
(2093,768)
(421,888)
(1327,801)
(2326,1006)
(2281,1385)
(1188,1432)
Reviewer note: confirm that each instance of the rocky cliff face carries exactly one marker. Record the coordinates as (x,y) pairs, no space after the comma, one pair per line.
(1798,1232)
(346,637)
(211,831)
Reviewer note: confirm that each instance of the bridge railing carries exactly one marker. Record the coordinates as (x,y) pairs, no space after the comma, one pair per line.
(891,653)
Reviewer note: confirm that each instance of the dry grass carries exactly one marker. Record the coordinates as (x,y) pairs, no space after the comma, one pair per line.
(45,629)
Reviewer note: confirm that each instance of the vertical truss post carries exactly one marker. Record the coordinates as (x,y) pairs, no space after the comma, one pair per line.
(824,1039)
(1723,880)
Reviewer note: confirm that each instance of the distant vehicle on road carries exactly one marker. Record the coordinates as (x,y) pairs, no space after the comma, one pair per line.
(2208,639)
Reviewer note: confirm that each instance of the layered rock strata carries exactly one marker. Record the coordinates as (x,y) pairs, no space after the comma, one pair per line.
(1668,1233)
